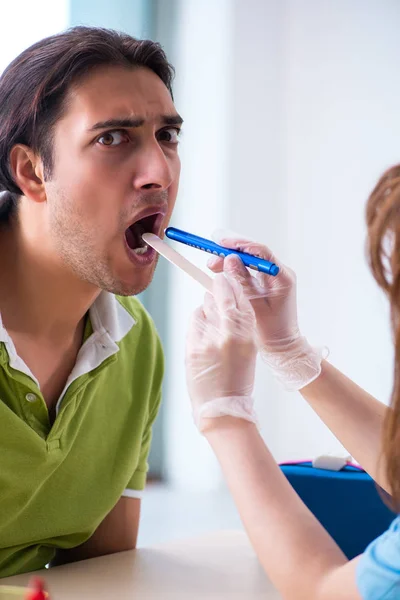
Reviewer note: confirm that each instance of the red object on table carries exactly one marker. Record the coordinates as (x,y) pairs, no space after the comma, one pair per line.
(36,590)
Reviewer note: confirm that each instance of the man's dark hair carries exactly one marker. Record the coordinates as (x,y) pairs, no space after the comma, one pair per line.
(34,87)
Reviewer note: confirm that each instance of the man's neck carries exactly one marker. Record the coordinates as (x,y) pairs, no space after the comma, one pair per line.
(39,296)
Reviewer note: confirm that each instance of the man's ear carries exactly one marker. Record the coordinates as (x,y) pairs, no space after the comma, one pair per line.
(27,168)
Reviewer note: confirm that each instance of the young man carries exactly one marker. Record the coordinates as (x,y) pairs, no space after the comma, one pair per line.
(88,162)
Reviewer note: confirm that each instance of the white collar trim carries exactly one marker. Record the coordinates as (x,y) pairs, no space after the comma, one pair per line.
(110,323)
(107,315)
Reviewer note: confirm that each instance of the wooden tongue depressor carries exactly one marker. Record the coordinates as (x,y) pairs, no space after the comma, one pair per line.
(177,259)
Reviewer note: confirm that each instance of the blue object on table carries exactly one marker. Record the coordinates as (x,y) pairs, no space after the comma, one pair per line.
(345,502)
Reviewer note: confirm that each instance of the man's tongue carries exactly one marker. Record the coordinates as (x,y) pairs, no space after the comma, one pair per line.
(134,236)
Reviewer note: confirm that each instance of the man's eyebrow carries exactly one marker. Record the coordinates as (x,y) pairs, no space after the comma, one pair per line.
(134,123)
(172,120)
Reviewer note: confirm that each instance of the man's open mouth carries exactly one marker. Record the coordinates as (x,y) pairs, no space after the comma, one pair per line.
(133,235)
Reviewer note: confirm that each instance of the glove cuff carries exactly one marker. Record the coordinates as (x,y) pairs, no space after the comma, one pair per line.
(234,406)
(295,364)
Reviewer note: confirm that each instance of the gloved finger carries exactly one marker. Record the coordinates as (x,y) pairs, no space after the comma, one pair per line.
(244,316)
(237,318)
(200,335)
(210,310)
(257,286)
(224,294)
(229,239)
(240,285)
(197,320)
(216,264)
(234,267)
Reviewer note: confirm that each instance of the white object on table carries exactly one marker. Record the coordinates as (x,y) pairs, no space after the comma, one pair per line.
(218,566)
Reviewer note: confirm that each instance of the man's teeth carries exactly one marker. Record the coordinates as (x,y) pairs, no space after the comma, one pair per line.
(141,249)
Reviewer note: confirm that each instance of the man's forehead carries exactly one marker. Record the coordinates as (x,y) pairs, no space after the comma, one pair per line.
(115,92)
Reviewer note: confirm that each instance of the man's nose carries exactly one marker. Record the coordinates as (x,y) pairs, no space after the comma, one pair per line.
(152,169)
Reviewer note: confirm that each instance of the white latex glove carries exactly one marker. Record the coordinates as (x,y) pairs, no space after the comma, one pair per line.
(221,354)
(288,354)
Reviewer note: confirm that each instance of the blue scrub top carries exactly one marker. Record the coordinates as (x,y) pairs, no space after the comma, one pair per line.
(378,571)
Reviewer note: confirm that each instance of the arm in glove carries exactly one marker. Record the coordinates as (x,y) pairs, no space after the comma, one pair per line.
(221,355)
(288,354)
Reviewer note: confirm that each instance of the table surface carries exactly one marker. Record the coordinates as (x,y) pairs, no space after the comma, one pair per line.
(219,565)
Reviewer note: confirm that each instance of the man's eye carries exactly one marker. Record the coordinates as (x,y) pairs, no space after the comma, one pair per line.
(112,138)
(170,135)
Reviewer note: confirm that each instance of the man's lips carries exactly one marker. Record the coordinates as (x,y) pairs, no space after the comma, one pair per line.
(152,217)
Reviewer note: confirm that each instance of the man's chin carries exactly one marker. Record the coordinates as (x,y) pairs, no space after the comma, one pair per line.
(136,286)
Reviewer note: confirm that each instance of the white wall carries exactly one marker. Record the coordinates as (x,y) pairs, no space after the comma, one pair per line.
(130,16)
(342,132)
(25,22)
(292,113)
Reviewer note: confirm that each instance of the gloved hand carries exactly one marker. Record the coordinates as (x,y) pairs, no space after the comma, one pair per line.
(221,354)
(288,354)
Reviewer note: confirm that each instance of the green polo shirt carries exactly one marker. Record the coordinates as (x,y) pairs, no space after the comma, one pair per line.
(57,483)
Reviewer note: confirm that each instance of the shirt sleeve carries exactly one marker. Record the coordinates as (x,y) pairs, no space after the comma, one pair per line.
(378,571)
